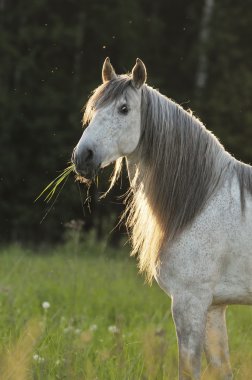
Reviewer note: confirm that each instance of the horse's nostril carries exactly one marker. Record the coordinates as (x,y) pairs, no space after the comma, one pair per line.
(83,159)
(89,155)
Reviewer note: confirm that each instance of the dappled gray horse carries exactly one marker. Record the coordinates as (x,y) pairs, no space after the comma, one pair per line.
(189,212)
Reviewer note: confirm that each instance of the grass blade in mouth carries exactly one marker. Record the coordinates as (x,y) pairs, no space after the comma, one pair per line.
(51,188)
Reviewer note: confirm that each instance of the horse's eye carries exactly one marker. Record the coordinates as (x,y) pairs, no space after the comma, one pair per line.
(124,109)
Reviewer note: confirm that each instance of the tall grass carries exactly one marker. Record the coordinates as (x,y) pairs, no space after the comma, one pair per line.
(103,321)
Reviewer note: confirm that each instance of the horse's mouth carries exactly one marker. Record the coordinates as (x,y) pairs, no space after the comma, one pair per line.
(87,175)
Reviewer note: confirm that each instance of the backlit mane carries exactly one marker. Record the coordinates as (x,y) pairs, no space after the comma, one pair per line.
(176,168)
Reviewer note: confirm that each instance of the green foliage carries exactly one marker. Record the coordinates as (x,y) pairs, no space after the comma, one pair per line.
(227,97)
(102,321)
(51,57)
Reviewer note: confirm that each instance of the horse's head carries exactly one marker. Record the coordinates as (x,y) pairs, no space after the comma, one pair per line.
(114,117)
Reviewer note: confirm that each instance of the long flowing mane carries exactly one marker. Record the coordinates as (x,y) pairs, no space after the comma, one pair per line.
(177,167)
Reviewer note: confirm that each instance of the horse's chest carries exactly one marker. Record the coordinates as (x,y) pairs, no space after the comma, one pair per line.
(226,275)
(214,255)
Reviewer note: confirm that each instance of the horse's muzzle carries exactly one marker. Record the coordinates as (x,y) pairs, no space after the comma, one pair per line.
(84,162)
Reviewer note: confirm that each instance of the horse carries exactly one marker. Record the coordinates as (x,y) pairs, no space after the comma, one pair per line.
(189,211)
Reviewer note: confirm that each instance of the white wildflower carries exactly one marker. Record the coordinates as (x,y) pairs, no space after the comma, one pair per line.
(113,329)
(38,358)
(77,331)
(93,328)
(46,305)
(68,329)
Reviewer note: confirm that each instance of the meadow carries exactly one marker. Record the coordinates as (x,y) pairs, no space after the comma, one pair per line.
(81,311)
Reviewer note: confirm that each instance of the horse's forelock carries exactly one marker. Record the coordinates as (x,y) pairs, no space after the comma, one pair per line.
(105,94)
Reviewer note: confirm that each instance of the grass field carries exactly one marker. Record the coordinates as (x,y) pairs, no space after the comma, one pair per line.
(71,315)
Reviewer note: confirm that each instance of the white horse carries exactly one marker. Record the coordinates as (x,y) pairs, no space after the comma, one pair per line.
(190,209)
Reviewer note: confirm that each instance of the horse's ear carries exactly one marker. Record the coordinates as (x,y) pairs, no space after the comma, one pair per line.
(108,71)
(139,73)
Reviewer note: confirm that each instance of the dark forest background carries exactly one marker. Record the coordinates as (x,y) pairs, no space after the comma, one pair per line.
(51,52)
